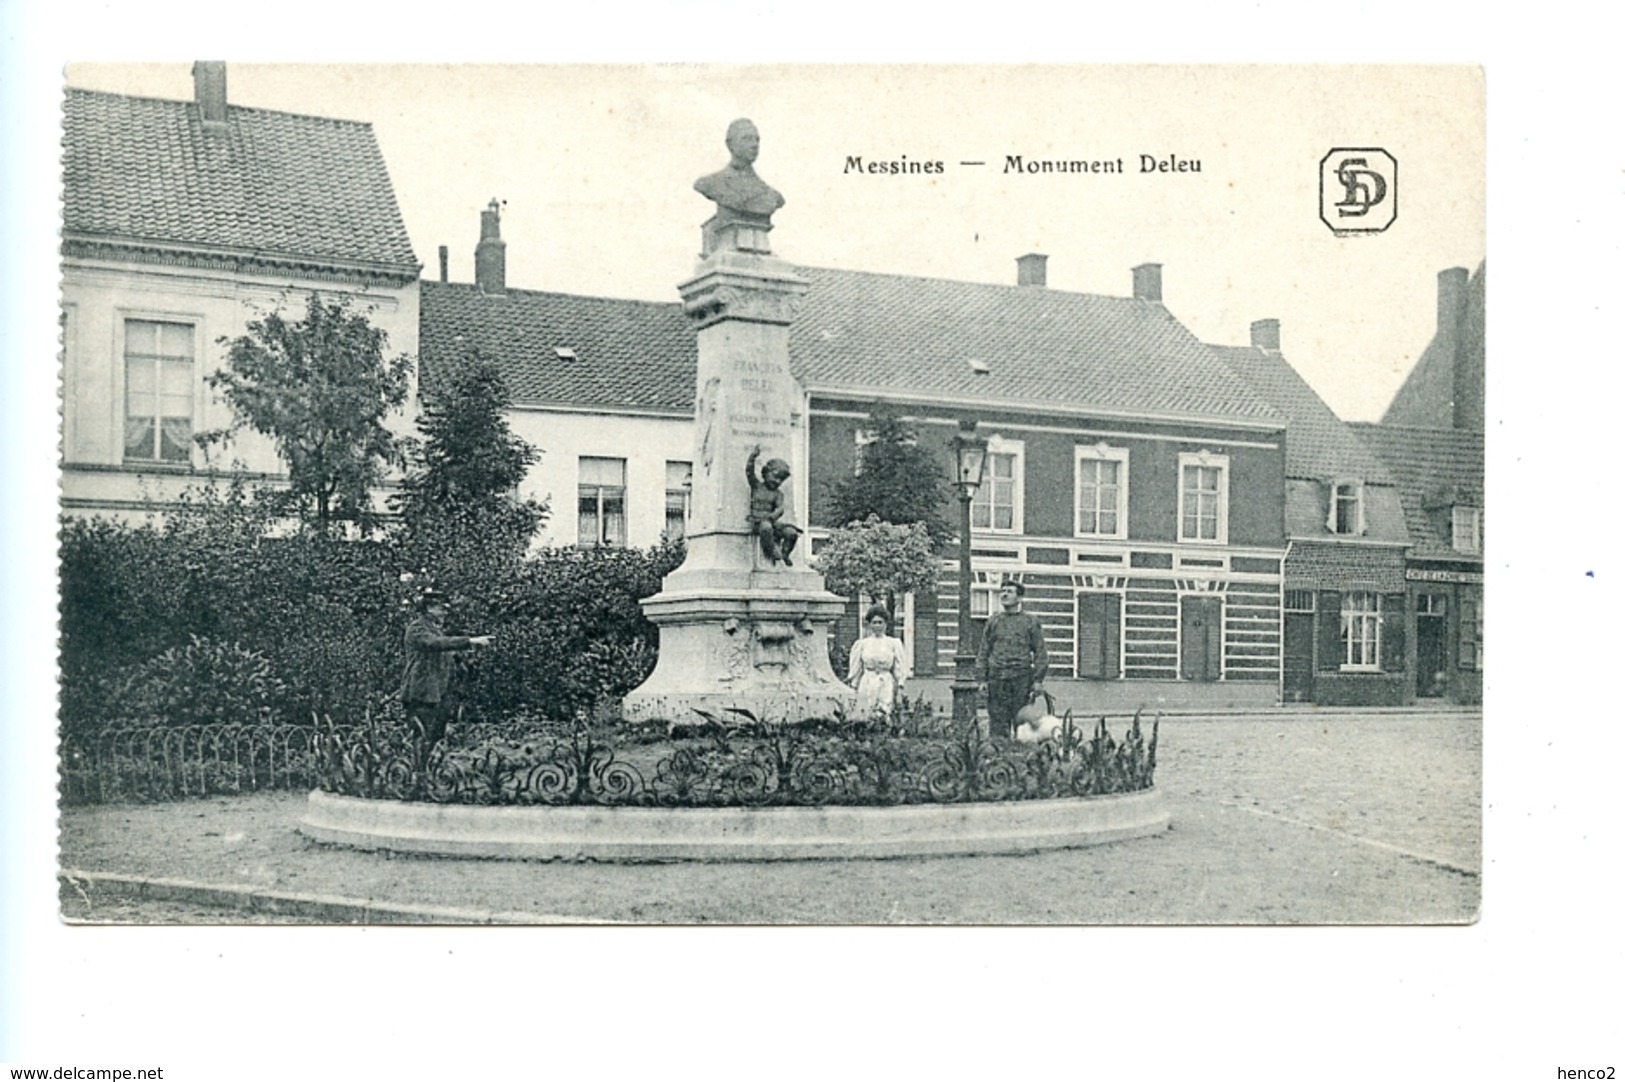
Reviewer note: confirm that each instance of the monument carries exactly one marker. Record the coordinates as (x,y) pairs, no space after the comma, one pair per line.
(744,623)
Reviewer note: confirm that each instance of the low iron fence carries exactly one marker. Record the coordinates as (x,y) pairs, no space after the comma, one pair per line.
(153,762)
(529,763)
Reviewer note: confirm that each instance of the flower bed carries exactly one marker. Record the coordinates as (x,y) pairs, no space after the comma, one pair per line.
(747,765)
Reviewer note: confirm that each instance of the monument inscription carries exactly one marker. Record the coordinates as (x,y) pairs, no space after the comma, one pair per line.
(744,625)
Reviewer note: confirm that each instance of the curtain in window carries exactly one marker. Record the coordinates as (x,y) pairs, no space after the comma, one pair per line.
(1201,503)
(158,391)
(1362,616)
(994,506)
(1097,496)
(601,502)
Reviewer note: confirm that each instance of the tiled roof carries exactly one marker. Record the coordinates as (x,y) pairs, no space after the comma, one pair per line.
(1308,505)
(1436,468)
(875,332)
(620,354)
(143,171)
(1319,445)
(867,333)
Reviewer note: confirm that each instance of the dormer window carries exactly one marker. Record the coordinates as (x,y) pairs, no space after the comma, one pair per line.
(1466,529)
(1345,512)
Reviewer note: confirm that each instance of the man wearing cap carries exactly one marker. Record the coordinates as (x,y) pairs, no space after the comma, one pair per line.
(1012,660)
(428,667)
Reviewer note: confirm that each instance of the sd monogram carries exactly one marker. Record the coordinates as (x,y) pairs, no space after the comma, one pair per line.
(1359,190)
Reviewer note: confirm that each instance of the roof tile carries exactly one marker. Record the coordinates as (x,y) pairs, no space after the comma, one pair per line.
(143,170)
(1319,444)
(861,332)
(1435,468)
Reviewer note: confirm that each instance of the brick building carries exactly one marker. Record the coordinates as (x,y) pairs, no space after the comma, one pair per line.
(1344,619)
(1134,482)
(1432,440)
(1135,485)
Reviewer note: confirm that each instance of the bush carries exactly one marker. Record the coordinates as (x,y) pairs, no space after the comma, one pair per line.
(205,682)
(147,610)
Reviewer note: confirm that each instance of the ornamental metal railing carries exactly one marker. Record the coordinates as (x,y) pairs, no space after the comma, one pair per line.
(923,759)
(746,765)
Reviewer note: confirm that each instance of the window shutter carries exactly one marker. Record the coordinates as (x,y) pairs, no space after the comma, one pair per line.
(1091,648)
(1112,649)
(1467,634)
(1329,631)
(925,634)
(1215,641)
(1393,632)
(1331,507)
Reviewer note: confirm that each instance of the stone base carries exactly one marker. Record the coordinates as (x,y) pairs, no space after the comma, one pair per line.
(741,646)
(647,834)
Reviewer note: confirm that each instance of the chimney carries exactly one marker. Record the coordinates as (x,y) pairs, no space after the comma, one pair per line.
(491,254)
(1267,334)
(1452,299)
(1148,282)
(445,264)
(1030,269)
(209,86)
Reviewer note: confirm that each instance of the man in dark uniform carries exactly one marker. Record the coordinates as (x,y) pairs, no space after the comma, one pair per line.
(1012,661)
(428,668)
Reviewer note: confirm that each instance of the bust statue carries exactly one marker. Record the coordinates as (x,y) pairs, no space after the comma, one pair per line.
(740,195)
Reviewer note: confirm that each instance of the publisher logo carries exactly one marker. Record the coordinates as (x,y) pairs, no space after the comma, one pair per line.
(1359,190)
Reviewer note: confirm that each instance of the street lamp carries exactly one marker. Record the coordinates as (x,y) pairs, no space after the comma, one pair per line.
(970,455)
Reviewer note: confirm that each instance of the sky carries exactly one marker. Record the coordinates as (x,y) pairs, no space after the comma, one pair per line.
(594,165)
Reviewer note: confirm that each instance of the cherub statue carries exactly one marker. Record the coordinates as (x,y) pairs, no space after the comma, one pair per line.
(767,508)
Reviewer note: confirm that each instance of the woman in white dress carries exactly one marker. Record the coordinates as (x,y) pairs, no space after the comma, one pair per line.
(878,667)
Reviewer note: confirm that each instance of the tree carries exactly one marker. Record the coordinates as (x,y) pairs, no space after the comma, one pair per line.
(898,481)
(880,559)
(467,466)
(320,388)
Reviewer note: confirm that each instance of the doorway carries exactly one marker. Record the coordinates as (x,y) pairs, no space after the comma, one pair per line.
(1099,649)
(1201,638)
(1432,655)
(1298,658)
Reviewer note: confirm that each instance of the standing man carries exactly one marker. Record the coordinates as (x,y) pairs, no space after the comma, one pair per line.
(428,669)
(1012,662)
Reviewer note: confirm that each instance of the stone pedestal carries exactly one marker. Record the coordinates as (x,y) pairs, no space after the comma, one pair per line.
(741,636)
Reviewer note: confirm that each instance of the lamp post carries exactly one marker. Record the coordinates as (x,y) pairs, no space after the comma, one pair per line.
(970,454)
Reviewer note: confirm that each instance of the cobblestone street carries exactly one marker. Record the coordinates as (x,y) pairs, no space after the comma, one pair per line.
(1288,819)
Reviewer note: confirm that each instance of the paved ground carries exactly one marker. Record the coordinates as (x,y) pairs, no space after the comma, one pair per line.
(1346,819)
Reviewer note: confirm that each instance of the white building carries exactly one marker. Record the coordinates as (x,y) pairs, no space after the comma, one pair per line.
(602,387)
(183,221)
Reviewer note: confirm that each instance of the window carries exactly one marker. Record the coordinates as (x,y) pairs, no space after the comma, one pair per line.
(1204,482)
(997,506)
(157,391)
(1362,630)
(1466,529)
(601,502)
(984,602)
(1346,513)
(679,488)
(1102,474)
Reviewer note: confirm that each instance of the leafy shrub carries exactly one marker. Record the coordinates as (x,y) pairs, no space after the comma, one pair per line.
(206,682)
(327,615)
